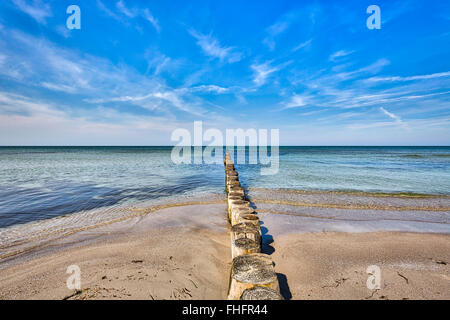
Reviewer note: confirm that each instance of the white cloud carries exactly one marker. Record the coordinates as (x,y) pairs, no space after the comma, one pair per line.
(348,90)
(55,67)
(11,103)
(63,31)
(279,27)
(262,72)
(26,121)
(302,45)
(124,10)
(38,10)
(412,78)
(273,31)
(339,54)
(159,62)
(296,101)
(59,87)
(211,47)
(389,114)
(150,18)
(129,13)
(353,99)
(397,119)
(145,101)
(175,99)
(378,124)
(210,88)
(108,12)
(152,101)
(97,80)
(372,69)
(120,99)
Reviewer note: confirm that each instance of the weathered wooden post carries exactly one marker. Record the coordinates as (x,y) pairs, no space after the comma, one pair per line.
(238,211)
(252,273)
(229,167)
(239,203)
(245,230)
(233,193)
(232,173)
(245,210)
(244,246)
(236,189)
(232,198)
(236,204)
(227,158)
(231,178)
(250,270)
(234,183)
(261,293)
(248,218)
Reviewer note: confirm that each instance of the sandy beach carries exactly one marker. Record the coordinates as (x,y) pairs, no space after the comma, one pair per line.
(183,252)
(225,151)
(170,254)
(333,265)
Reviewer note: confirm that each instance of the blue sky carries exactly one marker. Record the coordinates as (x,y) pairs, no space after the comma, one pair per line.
(137,70)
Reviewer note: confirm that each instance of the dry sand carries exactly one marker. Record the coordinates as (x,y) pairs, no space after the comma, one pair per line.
(333,265)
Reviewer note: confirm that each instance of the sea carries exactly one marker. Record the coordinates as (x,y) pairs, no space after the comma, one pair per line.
(39,183)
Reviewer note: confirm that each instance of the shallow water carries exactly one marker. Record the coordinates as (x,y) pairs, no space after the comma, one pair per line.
(369,169)
(38,183)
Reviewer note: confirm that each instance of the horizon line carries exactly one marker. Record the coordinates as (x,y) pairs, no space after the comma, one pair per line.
(192,146)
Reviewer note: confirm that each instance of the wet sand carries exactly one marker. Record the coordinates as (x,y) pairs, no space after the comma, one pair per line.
(322,244)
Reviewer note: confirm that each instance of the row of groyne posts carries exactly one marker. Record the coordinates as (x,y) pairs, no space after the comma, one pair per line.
(252,275)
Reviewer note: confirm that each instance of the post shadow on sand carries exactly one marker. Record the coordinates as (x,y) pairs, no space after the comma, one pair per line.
(267,240)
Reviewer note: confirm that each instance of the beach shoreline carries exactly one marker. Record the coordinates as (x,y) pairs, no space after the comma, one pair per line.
(154,256)
(182,251)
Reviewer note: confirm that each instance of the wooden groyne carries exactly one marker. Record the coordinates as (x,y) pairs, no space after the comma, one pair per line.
(252,275)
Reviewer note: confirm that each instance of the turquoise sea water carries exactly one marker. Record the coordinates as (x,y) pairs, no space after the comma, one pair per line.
(43,182)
